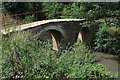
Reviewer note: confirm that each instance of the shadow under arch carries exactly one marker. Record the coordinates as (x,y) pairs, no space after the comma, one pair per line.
(57,34)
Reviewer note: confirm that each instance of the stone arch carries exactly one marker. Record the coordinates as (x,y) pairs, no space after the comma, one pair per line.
(58,36)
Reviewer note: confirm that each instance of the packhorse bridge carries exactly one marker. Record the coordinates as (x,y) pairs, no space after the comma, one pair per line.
(62,31)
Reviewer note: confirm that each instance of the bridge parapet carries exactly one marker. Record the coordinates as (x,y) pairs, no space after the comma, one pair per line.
(38,23)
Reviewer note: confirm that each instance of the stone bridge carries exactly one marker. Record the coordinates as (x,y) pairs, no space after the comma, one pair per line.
(62,31)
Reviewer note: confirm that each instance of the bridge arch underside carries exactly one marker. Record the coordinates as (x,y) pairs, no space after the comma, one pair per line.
(54,35)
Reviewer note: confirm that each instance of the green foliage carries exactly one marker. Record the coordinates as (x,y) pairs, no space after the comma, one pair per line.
(91,11)
(73,10)
(57,10)
(89,71)
(28,19)
(108,38)
(23,9)
(26,58)
(52,10)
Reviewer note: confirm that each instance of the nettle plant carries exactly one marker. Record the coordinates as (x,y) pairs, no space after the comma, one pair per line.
(26,58)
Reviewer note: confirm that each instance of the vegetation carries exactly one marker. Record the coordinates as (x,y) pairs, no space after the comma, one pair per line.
(57,10)
(108,37)
(23,9)
(26,58)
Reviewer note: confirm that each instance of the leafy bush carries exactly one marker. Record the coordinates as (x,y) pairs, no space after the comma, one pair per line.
(73,10)
(28,19)
(52,10)
(26,58)
(108,38)
(23,7)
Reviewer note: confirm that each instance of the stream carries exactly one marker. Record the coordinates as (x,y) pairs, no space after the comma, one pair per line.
(110,61)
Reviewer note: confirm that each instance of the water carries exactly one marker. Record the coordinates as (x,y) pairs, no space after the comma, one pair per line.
(109,61)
